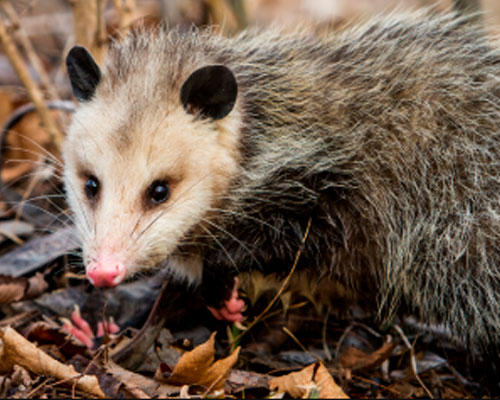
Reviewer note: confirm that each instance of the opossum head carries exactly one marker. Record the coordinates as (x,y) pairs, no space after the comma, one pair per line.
(147,157)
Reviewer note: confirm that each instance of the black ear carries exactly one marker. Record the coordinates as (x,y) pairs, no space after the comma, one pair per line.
(83,72)
(211,91)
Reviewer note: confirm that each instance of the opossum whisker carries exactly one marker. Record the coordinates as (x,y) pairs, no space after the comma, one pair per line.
(44,152)
(40,161)
(35,163)
(229,234)
(31,175)
(148,226)
(54,217)
(31,200)
(61,211)
(221,246)
(137,223)
(168,207)
(86,226)
(247,216)
(35,173)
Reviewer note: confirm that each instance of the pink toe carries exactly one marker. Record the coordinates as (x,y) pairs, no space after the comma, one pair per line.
(82,325)
(231,317)
(234,305)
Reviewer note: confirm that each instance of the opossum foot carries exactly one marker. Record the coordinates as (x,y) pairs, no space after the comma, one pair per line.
(232,310)
(82,331)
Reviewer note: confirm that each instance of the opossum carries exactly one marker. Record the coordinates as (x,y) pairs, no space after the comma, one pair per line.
(214,155)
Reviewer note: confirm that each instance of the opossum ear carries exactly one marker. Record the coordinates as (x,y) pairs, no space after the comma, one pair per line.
(211,91)
(83,72)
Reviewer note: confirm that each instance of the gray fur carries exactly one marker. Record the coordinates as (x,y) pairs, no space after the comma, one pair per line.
(386,136)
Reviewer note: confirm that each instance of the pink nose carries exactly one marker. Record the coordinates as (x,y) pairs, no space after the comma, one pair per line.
(105,274)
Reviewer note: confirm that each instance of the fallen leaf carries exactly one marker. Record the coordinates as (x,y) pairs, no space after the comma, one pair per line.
(217,374)
(244,380)
(37,285)
(16,289)
(355,359)
(19,351)
(12,289)
(197,367)
(300,384)
(139,385)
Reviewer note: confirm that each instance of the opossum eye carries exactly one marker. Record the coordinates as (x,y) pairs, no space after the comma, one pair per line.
(159,192)
(91,187)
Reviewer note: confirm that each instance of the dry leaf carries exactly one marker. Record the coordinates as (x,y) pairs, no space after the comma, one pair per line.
(299,384)
(19,351)
(356,359)
(240,380)
(197,367)
(16,289)
(12,289)
(137,383)
(37,285)
(193,364)
(218,372)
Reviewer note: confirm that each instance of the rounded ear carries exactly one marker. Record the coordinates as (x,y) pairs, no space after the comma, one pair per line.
(210,91)
(83,72)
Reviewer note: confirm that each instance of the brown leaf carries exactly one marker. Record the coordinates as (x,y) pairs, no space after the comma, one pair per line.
(16,289)
(19,351)
(193,364)
(248,379)
(218,372)
(37,285)
(137,383)
(12,289)
(299,384)
(356,359)
(197,367)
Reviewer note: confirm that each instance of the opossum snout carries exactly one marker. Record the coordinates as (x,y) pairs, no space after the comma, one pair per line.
(105,273)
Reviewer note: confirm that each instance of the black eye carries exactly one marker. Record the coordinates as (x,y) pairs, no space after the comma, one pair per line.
(91,187)
(159,192)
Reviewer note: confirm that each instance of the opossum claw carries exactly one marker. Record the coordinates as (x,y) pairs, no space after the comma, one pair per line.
(82,330)
(232,309)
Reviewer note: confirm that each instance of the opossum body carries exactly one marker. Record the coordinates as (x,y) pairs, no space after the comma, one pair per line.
(216,153)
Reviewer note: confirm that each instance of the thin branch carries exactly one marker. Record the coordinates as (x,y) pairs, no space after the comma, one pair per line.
(125,10)
(89,26)
(28,49)
(34,92)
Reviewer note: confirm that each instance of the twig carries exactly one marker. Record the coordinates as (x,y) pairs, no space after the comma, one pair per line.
(296,340)
(89,26)
(341,339)
(125,10)
(223,15)
(28,49)
(34,92)
(283,286)
(413,361)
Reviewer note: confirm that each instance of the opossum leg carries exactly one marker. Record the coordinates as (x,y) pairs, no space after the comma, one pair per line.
(232,309)
(82,331)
